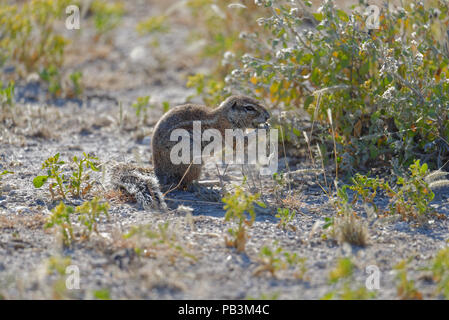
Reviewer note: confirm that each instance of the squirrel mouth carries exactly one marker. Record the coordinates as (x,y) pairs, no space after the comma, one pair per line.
(263,125)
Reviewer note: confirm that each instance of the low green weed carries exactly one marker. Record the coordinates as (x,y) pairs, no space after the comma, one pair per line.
(286,217)
(78,184)
(87,215)
(276,259)
(237,205)
(7,95)
(410,198)
(406,289)
(342,278)
(152,240)
(440,271)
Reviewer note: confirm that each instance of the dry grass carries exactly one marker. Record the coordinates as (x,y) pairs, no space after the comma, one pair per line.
(34,222)
(351,229)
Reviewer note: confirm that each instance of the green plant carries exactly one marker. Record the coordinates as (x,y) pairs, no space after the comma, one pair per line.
(342,278)
(52,76)
(276,259)
(6,95)
(237,205)
(58,265)
(285,217)
(141,105)
(440,271)
(219,23)
(106,15)
(210,89)
(155,24)
(76,78)
(29,39)
(410,198)
(54,171)
(88,215)
(165,106)
(102,294)
(78,184)
(61,217)
(80,175)
(366,188)
(151,240)
(414,195)
(406,288)
(5,172)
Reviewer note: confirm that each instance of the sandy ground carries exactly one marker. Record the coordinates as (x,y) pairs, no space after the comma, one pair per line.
(121,71)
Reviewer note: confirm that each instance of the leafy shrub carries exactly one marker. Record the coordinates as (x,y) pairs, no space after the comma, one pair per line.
(89,213)
(76,79)
(413,198)
(386,88)
(57,265)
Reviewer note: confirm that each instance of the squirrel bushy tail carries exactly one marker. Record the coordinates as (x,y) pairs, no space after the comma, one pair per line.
(139,182)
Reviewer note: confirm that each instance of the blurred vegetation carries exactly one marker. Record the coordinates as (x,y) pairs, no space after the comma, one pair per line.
(386,88)
(29,41)
(107,15)
(343,280)
(32,39)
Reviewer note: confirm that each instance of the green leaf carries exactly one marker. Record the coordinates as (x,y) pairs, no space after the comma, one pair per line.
(342,15)
(39,181)
(318,16)
(102,294)
(165,106)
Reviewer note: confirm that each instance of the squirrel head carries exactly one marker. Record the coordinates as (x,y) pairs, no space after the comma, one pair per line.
(245,112)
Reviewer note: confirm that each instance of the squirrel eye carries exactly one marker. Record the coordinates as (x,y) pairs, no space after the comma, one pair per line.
(249,108)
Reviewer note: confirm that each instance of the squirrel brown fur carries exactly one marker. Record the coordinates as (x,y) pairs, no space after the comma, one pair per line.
(236,112)
(145,184)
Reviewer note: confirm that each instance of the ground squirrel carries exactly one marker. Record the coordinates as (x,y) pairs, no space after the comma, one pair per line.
(236,112)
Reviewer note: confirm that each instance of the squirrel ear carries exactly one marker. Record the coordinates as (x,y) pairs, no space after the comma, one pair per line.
(234,105)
